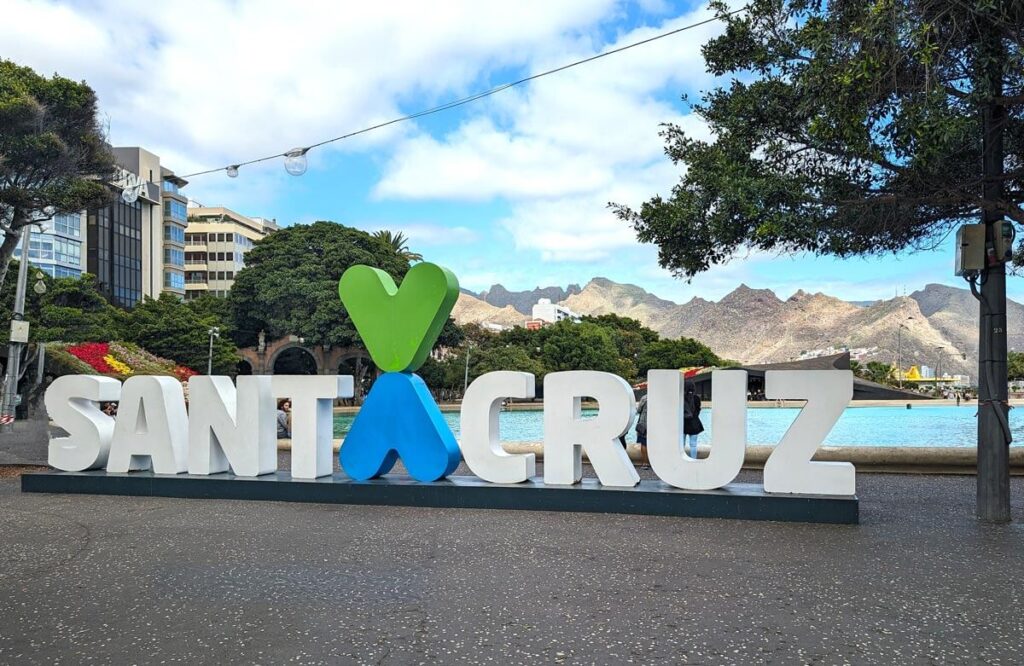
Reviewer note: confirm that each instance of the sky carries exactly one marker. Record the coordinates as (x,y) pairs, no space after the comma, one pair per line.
(511,189)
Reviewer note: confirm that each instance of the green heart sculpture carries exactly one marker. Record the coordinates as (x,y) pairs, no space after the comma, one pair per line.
(399,325)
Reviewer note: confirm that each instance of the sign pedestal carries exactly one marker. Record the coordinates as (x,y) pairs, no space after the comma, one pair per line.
(742,501)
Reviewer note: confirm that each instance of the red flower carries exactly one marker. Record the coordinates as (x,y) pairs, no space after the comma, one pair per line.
(183,373)
(93,353)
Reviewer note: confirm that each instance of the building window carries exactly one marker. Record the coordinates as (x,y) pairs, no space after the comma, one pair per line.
(175,210)
(41,248)
(67,251)
(174,257)
(174,233)
(173,280)
(64,272)
(68,225)
(170,186)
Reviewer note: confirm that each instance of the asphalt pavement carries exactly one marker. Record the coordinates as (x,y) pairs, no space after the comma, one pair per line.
(136,580)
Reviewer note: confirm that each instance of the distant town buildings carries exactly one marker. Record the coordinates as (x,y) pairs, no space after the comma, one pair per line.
(216,240)
(856,354)
(546,312)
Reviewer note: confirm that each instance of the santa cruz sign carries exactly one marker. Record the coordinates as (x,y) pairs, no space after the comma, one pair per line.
(231,427)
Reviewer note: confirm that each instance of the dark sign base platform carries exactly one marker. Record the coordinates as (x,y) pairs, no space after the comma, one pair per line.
(744,501)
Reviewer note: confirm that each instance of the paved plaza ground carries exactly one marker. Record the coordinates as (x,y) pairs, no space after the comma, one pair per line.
(134,580)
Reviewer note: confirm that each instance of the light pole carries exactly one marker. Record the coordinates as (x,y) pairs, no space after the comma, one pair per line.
(899,350)
(19,329)
(465,384)
(938,364)
(214,333)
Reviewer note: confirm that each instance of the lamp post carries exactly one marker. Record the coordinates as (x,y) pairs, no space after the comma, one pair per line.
(899,350)
(938,364)
(18,338)
(465,383)
(214,333)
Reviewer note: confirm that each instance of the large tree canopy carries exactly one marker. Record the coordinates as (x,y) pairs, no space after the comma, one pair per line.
(52,151)
(289,285)
(848,127)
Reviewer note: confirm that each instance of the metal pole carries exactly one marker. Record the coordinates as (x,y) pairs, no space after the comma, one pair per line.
(899,354)
(993,397)
(214,332)
(465,385)
(14,348)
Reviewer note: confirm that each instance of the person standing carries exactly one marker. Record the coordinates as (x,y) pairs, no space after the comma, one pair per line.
(641,431)
(284,408)
(692,427)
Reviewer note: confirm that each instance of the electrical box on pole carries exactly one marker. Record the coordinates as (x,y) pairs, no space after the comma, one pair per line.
(19,331)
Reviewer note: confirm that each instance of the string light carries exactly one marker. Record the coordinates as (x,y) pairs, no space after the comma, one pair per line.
(296,163)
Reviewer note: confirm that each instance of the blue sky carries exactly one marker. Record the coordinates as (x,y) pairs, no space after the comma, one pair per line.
(510,189)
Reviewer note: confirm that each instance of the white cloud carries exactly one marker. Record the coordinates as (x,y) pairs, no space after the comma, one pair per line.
(206,83)
(560,149)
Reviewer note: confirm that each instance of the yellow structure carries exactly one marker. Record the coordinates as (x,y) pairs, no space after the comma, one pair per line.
(914,375)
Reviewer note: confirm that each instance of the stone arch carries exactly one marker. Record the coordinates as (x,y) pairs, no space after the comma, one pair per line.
(289,350)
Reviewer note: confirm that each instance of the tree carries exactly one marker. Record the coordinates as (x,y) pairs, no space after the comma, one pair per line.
(631,338)
(71,310)
(1016,365)
(171,329)
(681,353)
(857,128)
(289,285)
(52,151)
(579,346)
(399,242)
(847,128)
(880,373)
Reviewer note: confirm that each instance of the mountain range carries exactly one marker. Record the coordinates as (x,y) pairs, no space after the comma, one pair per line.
(934,326)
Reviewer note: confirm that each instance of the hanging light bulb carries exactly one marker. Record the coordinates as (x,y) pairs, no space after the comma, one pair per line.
(232,171)
(295,161)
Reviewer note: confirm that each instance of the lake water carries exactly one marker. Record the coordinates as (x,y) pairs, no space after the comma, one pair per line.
(858,426)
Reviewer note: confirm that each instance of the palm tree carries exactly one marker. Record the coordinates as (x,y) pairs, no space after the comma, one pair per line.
(399,243)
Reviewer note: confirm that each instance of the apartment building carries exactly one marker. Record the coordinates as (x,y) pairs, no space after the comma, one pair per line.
(57,250)
(216,240)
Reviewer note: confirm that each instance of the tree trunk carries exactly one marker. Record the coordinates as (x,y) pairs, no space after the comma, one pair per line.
(7,251)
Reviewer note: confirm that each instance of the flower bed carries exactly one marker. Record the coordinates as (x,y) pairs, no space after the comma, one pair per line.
(115,359)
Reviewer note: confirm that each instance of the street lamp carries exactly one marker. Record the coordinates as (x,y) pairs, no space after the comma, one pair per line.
(899,350)
(938,364)
(465,385)
(19,327)
(214,333)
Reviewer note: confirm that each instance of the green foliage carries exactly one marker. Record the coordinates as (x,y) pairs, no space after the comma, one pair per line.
(606,343)
(399,242)
(289,285)
(849,128)
(71,310)
(169,328)
(52,150)
(1016,365)
(681,353)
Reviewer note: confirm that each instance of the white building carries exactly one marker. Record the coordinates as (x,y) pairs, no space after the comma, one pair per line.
(552,313)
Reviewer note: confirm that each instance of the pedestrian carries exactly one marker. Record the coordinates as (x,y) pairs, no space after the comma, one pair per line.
(958,399)
(284,408)
(692,427)
(641,431)
(109,408)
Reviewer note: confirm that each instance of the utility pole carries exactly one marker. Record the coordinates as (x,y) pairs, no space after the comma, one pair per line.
(10,393)
(465,385)
(993,407)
